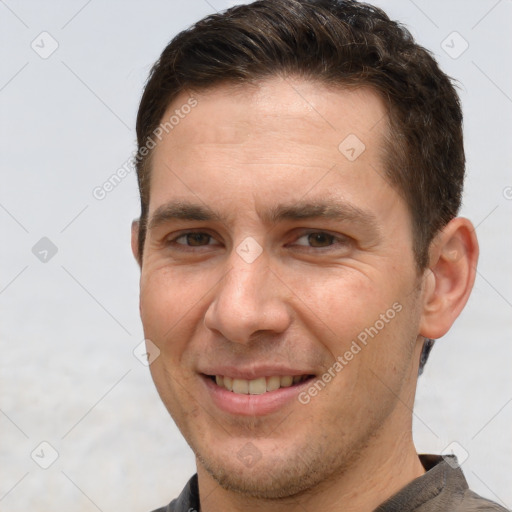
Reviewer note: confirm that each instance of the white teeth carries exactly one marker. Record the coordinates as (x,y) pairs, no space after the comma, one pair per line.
(241,386)
(286,381)
(273,383)
(258,386)
(228,383)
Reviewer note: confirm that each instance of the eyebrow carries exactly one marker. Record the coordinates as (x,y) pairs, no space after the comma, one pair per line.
(325,209)
(298,210)
(182,210)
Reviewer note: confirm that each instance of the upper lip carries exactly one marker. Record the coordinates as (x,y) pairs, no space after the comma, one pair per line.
(254,372)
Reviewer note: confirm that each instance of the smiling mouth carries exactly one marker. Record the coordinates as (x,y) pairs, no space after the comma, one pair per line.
(258,386)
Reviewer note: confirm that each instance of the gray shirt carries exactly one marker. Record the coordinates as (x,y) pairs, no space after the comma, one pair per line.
(442,488)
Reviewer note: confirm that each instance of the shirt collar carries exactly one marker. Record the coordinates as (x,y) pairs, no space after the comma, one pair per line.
(442,487)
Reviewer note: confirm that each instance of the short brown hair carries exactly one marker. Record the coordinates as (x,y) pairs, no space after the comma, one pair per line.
(337,42)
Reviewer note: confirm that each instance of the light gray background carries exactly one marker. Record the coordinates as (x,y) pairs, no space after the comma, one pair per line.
(68,326)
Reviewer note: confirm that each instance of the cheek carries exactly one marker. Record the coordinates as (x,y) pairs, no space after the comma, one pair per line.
(167,301)
(341,302)
(386,357)
(368,322)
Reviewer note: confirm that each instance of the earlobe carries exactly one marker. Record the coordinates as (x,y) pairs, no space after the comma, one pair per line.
(135,240)
(449,278)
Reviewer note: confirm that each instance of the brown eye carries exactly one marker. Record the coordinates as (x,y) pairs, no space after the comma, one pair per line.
(320,239)
(194,239)
(317,239)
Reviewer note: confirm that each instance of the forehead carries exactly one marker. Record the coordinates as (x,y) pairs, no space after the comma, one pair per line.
(294,108)
(281,134)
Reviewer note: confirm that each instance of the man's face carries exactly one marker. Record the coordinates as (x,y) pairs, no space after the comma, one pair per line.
(246,276)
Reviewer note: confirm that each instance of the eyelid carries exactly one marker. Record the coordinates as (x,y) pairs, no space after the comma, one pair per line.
(338,238)
(172,238)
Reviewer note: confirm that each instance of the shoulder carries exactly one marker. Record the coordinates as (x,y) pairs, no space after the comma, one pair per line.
(168,508)
(172,507)
(176,506)
(473,502)
(187,501)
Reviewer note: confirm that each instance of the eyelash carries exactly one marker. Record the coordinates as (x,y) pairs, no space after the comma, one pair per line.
(343,240)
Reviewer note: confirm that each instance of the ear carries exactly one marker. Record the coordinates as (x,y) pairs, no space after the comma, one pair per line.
(449,279)
(135,240)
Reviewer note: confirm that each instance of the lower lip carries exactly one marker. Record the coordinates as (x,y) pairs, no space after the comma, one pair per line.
(253,405)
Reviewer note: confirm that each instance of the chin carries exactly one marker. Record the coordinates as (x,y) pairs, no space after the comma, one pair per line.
(274,476)
(260,483)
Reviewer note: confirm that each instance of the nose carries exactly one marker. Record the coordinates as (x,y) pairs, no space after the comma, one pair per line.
(250,300)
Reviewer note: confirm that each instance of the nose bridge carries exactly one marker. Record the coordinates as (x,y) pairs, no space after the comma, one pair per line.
(244,282)
(247,298)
